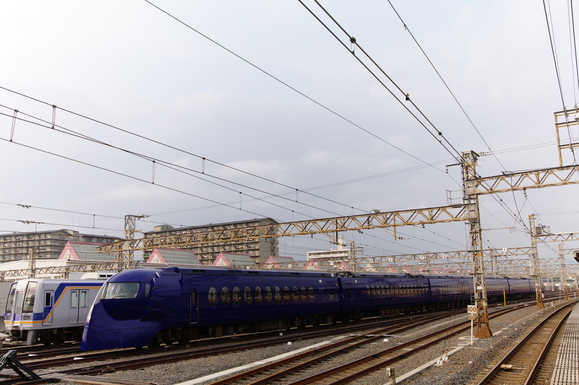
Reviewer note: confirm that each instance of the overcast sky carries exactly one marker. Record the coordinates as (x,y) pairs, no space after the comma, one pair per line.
(197,112)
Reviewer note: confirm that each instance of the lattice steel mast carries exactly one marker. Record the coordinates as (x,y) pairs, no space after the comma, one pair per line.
(481,321)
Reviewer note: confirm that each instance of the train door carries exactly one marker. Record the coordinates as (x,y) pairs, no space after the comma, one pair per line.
(74,310)
(83,305)
(47,313)
(194,305)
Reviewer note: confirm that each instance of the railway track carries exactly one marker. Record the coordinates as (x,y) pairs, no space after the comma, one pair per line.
(346,373)
(38,359)
(125,359)
(532,357)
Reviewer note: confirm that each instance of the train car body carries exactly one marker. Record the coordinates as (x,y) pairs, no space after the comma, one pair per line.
(144,307)
(180,304)
(48,311)
(363,294)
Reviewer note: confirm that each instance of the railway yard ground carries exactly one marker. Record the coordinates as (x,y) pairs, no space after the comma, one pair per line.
(450,359)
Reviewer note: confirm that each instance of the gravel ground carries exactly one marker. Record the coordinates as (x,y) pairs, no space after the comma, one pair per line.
(460,368)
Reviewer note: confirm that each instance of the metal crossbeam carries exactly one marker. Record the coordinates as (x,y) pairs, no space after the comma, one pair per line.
(393,219)
(515,181)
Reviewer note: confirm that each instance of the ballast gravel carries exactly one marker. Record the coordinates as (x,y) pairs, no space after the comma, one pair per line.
(459,368)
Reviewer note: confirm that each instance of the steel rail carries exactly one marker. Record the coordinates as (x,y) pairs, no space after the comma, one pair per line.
(500,373)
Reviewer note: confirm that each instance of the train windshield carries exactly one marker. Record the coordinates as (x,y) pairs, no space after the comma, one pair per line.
(121,290)
(29,297)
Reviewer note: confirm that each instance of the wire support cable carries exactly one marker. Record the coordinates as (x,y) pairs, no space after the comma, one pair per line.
(52,125)
(291,87)
(454,153)
(175,167)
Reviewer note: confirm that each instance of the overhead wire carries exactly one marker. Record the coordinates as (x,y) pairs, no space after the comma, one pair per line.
(463,111)
(455,154)
(175,167)
(551,31)
(355,42)
(289,86)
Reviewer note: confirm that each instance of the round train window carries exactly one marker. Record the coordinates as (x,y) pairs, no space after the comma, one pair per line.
(247,295)
(258,295)
(268,294)
(225,295)
(212,296)
(277,295)
(286,293)
(311,293)
(295,293)
(236,295)
(303,295)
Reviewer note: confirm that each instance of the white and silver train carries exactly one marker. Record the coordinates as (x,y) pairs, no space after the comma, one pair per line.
(49,311)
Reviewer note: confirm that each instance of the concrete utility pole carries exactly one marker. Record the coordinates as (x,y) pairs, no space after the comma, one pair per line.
(535,268)
(481,317)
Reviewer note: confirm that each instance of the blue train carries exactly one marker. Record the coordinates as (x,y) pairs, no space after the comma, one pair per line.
(149,307)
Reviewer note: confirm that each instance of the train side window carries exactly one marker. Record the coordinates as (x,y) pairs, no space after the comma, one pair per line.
(286,294)
(368,291)
(268,294)
(350,293)
(83,298)
(331,292)
(29,297)
(303,294)
(193,297)
(74,299)
(311,293)
(247,295)
(295,293)
(212,296)
(147,289)
(277,295)
(47,299)
(225,295)
(258,294)
(236,295)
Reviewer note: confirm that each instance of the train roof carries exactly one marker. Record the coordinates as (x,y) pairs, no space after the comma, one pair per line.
(247,272)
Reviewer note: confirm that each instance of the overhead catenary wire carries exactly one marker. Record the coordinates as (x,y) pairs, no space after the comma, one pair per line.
(204,159)
(54,111)
(290,87)
(180,168)
(458,157)
(454,153)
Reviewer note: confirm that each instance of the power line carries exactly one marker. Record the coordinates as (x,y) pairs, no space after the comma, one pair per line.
(353,41)
(287,85)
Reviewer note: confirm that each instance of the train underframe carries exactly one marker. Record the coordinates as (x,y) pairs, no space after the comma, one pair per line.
(56,337)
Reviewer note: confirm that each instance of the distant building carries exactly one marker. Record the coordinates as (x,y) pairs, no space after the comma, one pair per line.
(173,257)
(235,260)
(340,254)
(48,244)
(259,249)
(85,251)
(276,262)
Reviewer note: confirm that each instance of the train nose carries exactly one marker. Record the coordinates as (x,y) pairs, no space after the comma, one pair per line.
(103,332)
